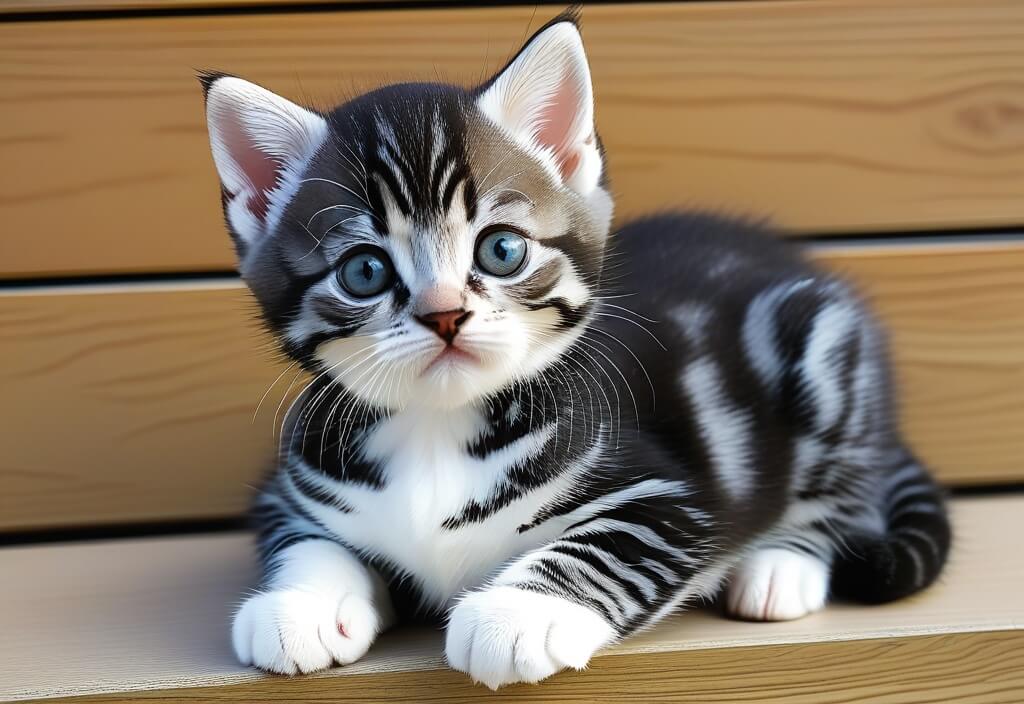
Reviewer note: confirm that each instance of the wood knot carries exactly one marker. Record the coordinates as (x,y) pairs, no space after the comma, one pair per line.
(993,118)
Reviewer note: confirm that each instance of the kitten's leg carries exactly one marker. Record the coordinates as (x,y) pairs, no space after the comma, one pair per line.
(827,392)
(318,606)
(871,542)
(605,577)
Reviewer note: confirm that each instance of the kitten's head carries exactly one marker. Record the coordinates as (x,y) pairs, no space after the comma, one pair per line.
(422,242)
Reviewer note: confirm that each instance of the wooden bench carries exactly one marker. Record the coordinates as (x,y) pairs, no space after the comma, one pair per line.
(887,135)
(147,620)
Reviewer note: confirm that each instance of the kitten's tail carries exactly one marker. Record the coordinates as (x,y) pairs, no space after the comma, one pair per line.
(911,553)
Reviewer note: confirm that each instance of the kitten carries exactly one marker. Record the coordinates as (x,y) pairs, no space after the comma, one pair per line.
(498,432)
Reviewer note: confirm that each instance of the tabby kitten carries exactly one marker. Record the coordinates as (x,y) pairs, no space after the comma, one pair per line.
(497,432)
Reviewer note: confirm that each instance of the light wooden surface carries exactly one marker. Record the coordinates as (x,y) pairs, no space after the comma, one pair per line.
(131,403)
(138,402)
(59,6)
(974,668)
(955,315)
(835,116)
(129,616)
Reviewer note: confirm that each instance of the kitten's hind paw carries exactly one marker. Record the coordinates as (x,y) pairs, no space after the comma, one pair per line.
(293,631)
(774,584)
(504,635)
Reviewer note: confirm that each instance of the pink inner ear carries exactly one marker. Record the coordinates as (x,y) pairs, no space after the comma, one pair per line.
(557,122)
(260,169)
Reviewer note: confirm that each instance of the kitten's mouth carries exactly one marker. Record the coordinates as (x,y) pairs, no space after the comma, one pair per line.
(451,355)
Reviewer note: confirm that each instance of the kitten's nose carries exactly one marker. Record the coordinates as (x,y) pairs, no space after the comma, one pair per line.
(446,323)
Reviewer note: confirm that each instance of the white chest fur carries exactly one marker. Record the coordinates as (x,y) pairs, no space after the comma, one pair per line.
(428,478)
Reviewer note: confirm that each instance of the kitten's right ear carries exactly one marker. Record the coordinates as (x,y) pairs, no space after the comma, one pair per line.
(261,144)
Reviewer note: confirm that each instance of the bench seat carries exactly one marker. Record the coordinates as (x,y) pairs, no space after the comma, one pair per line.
(147,619)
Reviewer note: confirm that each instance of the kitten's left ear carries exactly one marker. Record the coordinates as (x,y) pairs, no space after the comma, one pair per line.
(261,142)
(544,99)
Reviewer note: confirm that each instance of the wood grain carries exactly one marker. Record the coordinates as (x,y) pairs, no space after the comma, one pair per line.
(955,315)
(137,403)
(115,619)
(131,403)
(56,7)
(829,116)
(979,668)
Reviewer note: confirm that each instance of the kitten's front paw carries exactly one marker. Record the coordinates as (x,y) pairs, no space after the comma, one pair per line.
(503,635)
(291,631)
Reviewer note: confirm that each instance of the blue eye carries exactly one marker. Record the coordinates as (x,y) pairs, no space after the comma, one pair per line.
(501,253)
(366,273)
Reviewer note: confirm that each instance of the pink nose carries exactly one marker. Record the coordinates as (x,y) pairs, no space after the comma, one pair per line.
(446,323)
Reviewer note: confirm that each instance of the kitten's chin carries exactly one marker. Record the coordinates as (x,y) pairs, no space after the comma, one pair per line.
(456,378)
(445,382)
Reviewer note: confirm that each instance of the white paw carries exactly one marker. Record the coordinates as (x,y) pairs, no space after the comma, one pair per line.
(291,631)
(504,635)
(778,585)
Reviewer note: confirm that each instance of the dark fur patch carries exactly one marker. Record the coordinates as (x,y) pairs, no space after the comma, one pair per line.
(469,197)
(585,256)
(538,284)
(330,441)
(475,284)
(569,316)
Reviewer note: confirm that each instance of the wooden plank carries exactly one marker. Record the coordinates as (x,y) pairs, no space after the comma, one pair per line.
(138,403)
(131,403)
(956,319)
(922,668)
(62,6)
(838,116)
(148,620)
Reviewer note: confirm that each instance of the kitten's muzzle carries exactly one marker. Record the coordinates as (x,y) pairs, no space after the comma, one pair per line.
(445,324)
